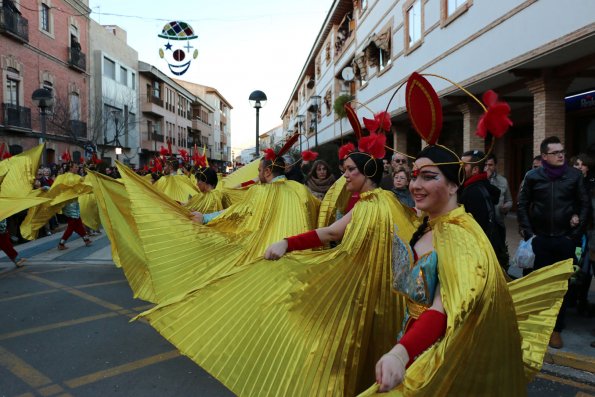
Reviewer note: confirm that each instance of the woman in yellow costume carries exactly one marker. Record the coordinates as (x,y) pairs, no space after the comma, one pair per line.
(467,332)
(311,323)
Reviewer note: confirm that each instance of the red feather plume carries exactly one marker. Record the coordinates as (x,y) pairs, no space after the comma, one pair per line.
(373,144)
(288,144)
(163,151)
(269,154)
(309,155)
(381,122)
(495,120)
(345,150)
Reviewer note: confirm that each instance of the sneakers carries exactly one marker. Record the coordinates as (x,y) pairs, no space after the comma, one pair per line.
(556,340)
(88,242)
(62,247)
(20,262)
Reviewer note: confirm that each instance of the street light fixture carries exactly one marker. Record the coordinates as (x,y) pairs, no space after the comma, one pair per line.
(315,102)
(44,100)
(257,100)
(300,120)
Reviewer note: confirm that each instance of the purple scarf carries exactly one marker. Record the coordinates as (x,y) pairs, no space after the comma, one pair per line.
(554,172)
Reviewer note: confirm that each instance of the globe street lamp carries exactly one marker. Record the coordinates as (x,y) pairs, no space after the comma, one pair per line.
(257,100)
(43,99)
(315,102)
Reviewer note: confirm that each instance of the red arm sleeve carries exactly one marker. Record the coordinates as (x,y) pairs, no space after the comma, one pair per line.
(423,332)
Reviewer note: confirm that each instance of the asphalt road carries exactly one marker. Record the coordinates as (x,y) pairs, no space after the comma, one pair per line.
(65,330)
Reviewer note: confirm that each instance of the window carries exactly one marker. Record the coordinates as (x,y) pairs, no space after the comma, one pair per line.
(74,106)
(156,89)
(109,68)
(45,18)
(414,23)
(123,76)
(452,5)
(12,92)
(452,9)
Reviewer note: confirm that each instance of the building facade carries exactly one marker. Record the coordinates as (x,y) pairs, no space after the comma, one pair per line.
(537,55)
(44,44)
(219,140)
(114,101)
(166,109)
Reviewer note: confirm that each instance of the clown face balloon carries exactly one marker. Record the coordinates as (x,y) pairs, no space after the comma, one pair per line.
(179,54)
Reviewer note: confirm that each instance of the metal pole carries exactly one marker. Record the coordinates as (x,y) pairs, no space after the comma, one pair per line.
(42,120)
(316,129)
(257,114)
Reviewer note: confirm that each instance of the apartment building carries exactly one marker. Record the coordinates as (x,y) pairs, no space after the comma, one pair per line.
(114,101)
(44,44)
(272,138)
(219,142)
(166,109)
(537,55)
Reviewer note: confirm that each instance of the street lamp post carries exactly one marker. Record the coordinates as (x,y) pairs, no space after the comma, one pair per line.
(257,100)
(314,108)
(300,120)
(43,99)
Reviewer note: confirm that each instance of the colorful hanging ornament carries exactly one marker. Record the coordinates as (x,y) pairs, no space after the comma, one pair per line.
(178,55)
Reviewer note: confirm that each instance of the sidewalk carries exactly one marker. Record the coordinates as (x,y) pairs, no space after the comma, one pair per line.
(577,352)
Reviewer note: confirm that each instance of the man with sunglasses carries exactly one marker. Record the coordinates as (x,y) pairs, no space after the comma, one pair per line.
(553,207)
(397,161)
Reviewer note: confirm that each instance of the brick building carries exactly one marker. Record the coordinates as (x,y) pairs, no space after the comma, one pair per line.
(537,55)
(43,44)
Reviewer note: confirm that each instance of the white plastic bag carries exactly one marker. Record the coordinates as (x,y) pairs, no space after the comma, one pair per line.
(524,257)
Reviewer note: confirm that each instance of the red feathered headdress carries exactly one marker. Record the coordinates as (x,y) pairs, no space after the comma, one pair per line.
(269,154)
(309,155)
(164,152)
(66,157)
(345,150)
(380,122)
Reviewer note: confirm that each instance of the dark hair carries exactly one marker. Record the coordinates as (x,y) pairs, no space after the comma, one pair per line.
(276,166)
(453,172)
(369,166)
(547,141)
(492,156)
(586,159)
(207,175)
(476,155)
(538,157)
(312,173)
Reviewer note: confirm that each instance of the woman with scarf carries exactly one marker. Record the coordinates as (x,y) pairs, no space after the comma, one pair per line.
(320,179)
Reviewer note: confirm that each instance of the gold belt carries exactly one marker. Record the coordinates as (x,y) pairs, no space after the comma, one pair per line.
(415,309)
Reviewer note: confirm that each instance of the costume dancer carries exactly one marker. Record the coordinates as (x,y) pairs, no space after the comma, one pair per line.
(72,212)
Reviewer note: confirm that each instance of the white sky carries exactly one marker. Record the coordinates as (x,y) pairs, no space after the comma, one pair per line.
(243,46)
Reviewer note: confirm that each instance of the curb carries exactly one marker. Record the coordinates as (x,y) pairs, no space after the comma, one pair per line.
(571,360)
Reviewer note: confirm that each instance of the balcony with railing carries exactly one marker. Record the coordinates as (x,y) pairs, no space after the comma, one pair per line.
(77,59)
(78,129)
(16,116)
(153,105)
(158,137)
(14,25)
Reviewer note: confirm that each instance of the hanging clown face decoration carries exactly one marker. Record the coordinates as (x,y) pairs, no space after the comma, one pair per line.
(179,54)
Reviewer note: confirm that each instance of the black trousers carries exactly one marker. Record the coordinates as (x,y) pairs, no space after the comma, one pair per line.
(549,250)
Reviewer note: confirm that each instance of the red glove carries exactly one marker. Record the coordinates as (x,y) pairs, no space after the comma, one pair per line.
(423,332)
(303,241)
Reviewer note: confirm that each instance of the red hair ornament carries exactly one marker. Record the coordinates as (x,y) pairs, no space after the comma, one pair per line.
(373,144)
(495,119)
(309,155)
(380,122)
(345,150)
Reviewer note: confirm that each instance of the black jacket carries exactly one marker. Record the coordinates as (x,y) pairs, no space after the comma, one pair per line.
(480,199)
(546,207)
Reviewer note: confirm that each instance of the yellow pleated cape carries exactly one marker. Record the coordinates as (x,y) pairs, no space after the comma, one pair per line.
(18,172)
(336,198)
(309,324)
(177,187)
(496,333)
(181,254)
(66,187)
(114,210)
(207,202)
(12,205)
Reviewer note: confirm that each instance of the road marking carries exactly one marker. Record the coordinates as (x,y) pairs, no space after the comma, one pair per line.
(30,295)
(22,370)
(50,390)
(76,292)
(61,324)
(581,394)
(121,369)
(568,382)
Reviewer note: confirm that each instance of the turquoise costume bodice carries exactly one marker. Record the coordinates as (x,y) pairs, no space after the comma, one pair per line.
(416,280)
